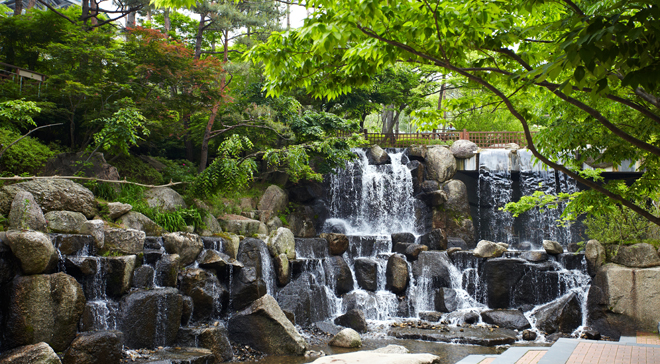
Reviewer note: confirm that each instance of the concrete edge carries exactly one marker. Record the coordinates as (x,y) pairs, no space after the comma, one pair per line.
(513,354)
(560,351)
(474,359)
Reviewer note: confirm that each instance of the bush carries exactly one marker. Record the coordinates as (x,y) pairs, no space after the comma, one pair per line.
(27,156)
(620,225)
(136,170)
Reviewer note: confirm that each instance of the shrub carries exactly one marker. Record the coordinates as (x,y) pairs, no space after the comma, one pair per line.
(620,225)
(26,156)
(136,170)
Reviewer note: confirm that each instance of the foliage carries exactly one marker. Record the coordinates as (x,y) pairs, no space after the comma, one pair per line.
(178,220)
(18,114)
(179,170)
(29,155)
(121,131)
(136,170)
(619,224)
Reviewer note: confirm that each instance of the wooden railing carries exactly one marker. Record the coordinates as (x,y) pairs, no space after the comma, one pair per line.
(484,139)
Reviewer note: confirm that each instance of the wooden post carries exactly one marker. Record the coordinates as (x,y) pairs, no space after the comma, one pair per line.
(366,137)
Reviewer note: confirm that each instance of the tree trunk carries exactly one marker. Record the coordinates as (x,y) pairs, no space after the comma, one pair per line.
(225,56)
(199,37)
(166,21)
(31,4)
(18,7)
(94,10)
(130,20)
(288,16)
(203,160)
(149,15)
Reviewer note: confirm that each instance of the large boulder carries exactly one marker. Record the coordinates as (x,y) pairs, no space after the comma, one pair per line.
(337,243)
(595,254)
(562,315)
(40,353)
(377,156)
(457,197)
(508,319)
(118,274)
(44,308)
(25,214)
(396,274)
(239,225)
(209,296)
(248,284)
(214,338)
(52,195)
(500,277)
(353,319)
(264,327)
(338,274)
(489,249)
(282,241)
(186,245)
(118,209)
(211,226)
(346,338)
(640,255)
(151,318)
(220,262)
(99,347)
(167,269)
(404,238)
(95,228)
(366,273)
(552,247)
(274,199)
(70,164)
(446,300)
(432,267)
(164,199)
(123,241)
(306,299)
(463,148)
(33,249)
(137,221)
(435,239)
(440,163)
(67,222)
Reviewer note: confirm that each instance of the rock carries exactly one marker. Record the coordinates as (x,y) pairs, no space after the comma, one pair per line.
(214,338)
(208,294)
(186,311)
(264,327)
(186,245)
(239,225)
(429,186)
(562,315)
(451,251)
(552,247)
(274,199)
(405,238)
(456,242)
(123,241)
(118,209)
(501,276)
(503,245)
(71,244)
(488,249)
(508,319)
(94,228)
(377,156)
(69,164)
(417,152)
(573,247)
(100,347)
(346,338)
(430,316)
(446,300)
(529,335)
(282,269)
(463,148)
(432,267)
(167,269)
(33,249)
(40,353)
(44,308)
(211,226)
(433,198)
(137,221)
(440,163)
(164,199)
(534,256)
(337,243)
(273,224)
(457,197)
(151,318)
(248,284)
(119,271)
(302,225)
(457,335)
(353,319)
(143,277)
(640,255)
(595,254)
(282,241)
(434,240)
(366,274)
(67,222)
(396,274)
(413,251)
(338,274)
(591,334)
(52,195)
(306,299)
(25,214)
(211,259)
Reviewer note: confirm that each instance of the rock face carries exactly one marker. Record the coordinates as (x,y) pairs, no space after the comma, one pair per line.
(563,315)
(440,163)
(338,273)
(123,241)
(25,214)
(186,245)
(463,148)
(346,338)
(264,327)
(434,240)
(489,249)
(433,267)
(366,274)
(52,195)
(164,199)
(100,347)
(137,221)
(67,222)
(118,209)
(209,296)
(167,269)
(151,318)
(552,247)
(44,308)
(32,248)
(405,238)
(274,199)
(457,197)
(501,277)
(68,164)
(637,256)
(353,319)
(213,338)
(446,300)
(377,156)
(508,319)
(248,285)
(39,353)
(595,254)
(282,241)
(396,274)
(306,299)
(337,243)
(119,271)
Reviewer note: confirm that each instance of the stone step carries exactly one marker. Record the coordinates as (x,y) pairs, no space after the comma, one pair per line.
(477,359)
(513,355)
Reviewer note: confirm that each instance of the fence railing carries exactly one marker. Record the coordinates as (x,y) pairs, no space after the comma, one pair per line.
(484,139)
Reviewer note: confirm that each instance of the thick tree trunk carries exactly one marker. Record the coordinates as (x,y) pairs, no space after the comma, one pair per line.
(199,37)
(94,10)
(130,20)
(18,7)
(148,15)
(166,21)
